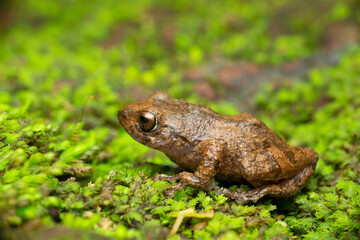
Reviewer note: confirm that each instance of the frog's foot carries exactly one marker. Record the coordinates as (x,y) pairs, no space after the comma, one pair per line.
(240,196)
(170,192)
(186,178)
(284,189)
(243,196)
(171,178)
(164,177)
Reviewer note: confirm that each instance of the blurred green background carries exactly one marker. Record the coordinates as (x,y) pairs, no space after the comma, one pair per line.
(67,169)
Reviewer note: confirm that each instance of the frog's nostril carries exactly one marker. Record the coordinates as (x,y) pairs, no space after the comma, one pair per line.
(121,114)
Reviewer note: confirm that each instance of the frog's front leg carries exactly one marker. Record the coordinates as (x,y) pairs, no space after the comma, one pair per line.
(211,151)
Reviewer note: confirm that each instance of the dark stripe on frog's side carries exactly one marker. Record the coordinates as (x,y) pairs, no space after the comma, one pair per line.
(288,152)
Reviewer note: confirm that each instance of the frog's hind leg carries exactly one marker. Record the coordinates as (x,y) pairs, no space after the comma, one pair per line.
(284,189)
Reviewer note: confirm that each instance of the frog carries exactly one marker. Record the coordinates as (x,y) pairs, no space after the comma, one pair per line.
(234,149)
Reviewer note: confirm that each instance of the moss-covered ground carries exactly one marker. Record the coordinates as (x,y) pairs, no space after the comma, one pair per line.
(67,169)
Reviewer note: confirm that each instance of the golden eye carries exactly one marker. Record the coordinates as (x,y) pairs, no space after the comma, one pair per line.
(147,121)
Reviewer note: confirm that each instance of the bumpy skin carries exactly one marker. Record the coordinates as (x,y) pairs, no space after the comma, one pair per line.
(235,149)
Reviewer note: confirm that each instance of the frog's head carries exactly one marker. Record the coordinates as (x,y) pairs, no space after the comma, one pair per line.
(155,122)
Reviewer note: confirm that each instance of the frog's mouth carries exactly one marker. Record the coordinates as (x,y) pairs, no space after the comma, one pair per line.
(156,140)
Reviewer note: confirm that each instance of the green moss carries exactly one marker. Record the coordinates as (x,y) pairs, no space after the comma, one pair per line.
(65,71)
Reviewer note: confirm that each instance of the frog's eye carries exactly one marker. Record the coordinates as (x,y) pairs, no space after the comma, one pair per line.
(147,121)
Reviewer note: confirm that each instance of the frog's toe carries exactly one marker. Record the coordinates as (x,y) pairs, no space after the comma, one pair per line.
(170,192)
(243,196)
(254,195)
(240,201)
(213,186)
(164,177)
(157,177)
(244,200)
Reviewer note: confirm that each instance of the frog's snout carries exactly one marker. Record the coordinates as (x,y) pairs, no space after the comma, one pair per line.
(122,115)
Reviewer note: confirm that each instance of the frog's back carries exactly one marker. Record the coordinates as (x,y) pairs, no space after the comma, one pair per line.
(245,136)
(244,132)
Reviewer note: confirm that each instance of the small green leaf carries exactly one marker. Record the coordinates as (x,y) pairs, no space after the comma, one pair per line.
(130,216)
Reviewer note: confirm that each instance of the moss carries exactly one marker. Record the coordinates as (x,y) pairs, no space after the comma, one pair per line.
(64,161)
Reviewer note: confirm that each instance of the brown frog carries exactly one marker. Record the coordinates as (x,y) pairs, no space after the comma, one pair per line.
(236,149)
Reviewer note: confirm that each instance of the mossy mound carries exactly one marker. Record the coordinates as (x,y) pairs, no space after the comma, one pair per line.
(67,169)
